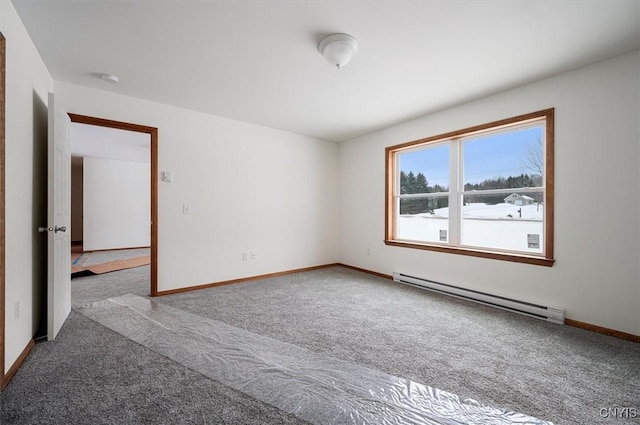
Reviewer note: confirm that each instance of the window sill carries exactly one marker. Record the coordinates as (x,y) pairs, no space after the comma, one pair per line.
(516,258)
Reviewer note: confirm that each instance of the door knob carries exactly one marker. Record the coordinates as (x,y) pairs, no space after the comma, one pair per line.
(52,229)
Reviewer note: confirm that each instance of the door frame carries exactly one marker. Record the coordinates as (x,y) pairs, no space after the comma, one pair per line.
(153,133)
(4,380)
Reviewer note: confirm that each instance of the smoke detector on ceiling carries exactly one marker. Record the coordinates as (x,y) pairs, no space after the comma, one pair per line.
(110,78)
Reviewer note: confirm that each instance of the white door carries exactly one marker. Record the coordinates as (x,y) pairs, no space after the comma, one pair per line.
(58,219)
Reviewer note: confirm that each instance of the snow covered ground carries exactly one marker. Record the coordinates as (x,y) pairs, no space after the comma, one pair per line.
(487,226)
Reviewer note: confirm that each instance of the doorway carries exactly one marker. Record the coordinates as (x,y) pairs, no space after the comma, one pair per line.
(153,136)
(4,380)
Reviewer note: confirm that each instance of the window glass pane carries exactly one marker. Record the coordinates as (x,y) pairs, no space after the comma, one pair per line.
(498,188)
(515,223)
(510,159)
(423,219)
(425,170)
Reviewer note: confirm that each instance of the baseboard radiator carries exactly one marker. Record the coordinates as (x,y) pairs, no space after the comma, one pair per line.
(551,314)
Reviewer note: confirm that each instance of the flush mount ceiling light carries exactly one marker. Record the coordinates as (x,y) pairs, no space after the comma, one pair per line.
(338,49)
(110,78)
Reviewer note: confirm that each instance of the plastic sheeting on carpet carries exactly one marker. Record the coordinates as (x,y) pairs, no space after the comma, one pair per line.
(312,386)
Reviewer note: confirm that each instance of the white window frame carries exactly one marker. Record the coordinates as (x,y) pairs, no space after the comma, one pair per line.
(456,192)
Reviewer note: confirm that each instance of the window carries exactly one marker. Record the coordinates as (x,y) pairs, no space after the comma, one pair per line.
(485,191)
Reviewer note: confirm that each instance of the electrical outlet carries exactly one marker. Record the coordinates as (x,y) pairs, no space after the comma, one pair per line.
(245,256)
(16,310)
(253,255)
(186,208)
(368,251)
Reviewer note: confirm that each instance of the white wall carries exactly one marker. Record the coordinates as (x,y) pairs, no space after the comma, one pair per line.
(596,275)
(76,201)
(251,188)
(116,204)
(27,85)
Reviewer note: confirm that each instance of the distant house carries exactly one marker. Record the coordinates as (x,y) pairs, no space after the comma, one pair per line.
(517,199)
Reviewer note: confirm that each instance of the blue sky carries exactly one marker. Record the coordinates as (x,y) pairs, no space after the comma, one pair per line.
(485,157)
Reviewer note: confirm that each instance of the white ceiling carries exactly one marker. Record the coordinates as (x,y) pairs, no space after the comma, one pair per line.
(110,143)
(257,61)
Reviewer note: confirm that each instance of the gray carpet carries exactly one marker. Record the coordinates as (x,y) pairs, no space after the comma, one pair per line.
(90,375)
(553,372)
(86,289)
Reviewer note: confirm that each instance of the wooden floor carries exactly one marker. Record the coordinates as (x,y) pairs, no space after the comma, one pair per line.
(77,251)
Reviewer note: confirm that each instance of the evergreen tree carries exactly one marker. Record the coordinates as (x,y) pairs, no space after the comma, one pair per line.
(411,182)
(403,183)
(422,185)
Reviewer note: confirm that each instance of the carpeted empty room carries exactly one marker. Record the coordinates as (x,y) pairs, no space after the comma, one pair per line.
(555,373)
(353,212)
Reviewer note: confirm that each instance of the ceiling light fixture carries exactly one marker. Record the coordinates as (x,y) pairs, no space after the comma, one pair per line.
(110,78)
(338,49)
